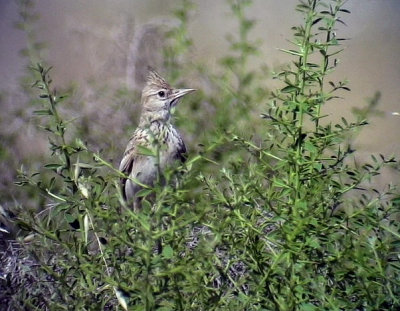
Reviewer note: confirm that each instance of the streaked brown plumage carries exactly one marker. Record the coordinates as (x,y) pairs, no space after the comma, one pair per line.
(155,133)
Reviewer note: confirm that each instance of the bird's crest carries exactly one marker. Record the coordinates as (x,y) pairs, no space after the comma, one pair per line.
(155,80)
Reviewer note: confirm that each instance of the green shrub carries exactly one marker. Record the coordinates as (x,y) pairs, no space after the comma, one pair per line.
(284,221)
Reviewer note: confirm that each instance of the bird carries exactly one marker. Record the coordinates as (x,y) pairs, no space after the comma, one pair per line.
(155,144)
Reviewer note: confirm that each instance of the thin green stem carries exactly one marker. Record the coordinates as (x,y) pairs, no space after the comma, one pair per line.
(302,70)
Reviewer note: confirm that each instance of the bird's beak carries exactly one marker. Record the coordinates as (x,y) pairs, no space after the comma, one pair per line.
(178,93)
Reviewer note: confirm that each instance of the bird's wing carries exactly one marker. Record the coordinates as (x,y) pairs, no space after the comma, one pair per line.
(181,152)
(126,167)
(131,155)
(126,163)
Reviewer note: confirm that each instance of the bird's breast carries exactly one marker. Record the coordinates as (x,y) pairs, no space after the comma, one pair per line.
(167,140)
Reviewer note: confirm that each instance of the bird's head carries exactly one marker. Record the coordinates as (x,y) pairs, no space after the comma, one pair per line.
(158,97)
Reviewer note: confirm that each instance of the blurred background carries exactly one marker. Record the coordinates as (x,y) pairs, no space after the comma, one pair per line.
(100,50)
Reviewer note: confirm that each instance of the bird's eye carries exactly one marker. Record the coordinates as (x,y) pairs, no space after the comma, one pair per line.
(161,94)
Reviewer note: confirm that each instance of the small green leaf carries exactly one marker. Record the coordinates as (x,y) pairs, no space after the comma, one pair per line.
(313,242)
(312,65)
(61,207)
(167,252)
(289,89)
(53,166)
(308,307)
(310,147)
(291,52)
(143,192)
(317,166)
(69,218)
(280,183)
(46,112)
(84,165)
(146,151)
(316,21)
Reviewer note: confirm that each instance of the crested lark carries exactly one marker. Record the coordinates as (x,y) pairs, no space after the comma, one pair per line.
(155,133)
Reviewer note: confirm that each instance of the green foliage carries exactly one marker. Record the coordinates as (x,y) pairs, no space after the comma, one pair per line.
(282,221)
